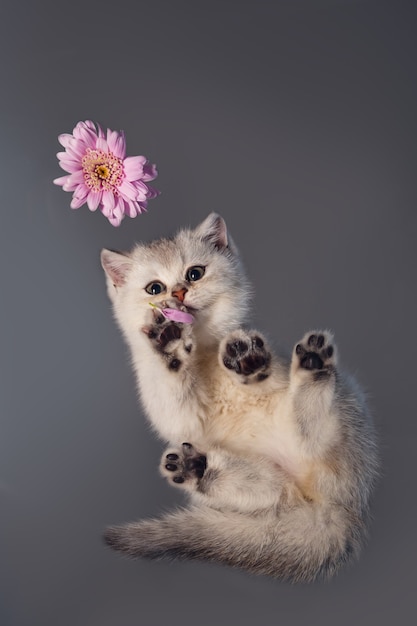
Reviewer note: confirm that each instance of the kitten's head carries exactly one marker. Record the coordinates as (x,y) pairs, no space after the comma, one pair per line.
(197,270)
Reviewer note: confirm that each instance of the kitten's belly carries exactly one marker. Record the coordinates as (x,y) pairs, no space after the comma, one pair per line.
(247,419)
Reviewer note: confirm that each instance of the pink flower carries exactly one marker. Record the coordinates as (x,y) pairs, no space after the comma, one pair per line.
(101,176)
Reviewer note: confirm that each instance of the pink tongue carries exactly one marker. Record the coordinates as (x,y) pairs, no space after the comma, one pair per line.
(177,316)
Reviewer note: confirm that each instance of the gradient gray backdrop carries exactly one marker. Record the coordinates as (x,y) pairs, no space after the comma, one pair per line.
(294,119)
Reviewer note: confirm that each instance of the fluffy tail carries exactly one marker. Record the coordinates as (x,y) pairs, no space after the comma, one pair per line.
(299,546)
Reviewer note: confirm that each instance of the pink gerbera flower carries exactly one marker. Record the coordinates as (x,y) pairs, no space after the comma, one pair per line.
(101,176)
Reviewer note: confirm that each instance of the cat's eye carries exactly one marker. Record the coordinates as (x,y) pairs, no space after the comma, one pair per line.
(195,273)
(155,288)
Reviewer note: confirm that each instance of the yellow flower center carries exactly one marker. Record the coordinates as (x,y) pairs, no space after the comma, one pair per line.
(102,170)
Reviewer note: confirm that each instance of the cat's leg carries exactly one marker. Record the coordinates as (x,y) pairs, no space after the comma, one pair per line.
(313,383)
(225,481)
(167,369)
(246,355)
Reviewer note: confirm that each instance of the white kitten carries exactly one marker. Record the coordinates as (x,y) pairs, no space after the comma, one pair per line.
(278,458)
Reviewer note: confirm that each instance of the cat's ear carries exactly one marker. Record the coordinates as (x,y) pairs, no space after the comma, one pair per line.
(214,229)
(116,266)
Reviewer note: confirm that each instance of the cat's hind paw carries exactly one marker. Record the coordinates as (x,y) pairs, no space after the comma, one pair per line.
(316,352)
(183,467)
(246,354)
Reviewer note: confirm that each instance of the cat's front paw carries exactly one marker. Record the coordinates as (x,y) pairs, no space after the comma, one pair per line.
(173,340)
(246,354)
(184,466)
(316,352)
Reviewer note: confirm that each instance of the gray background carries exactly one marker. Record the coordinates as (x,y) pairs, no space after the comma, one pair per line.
(294,119)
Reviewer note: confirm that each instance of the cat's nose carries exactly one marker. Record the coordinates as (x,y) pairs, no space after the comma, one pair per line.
(179,292)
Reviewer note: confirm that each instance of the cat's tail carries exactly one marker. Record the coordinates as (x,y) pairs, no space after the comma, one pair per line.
(300,545)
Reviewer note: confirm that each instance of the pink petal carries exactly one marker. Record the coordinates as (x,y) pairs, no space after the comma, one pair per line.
(152,192)
(106,211)
(112,141)
(149,172)
(94,199)
(85,134)
(121,203)
(60,181)
(69,165)
(101,144)
(133,167)
(118,143)
(81,191)
(94,127)
(76,177)
(115,221)
(118,211)
(76,148)
(132,208)
(141,190)
(115,217)
(65,139)
(77,201)
(108,200)
(177,316)
(74,181)
(128,190)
